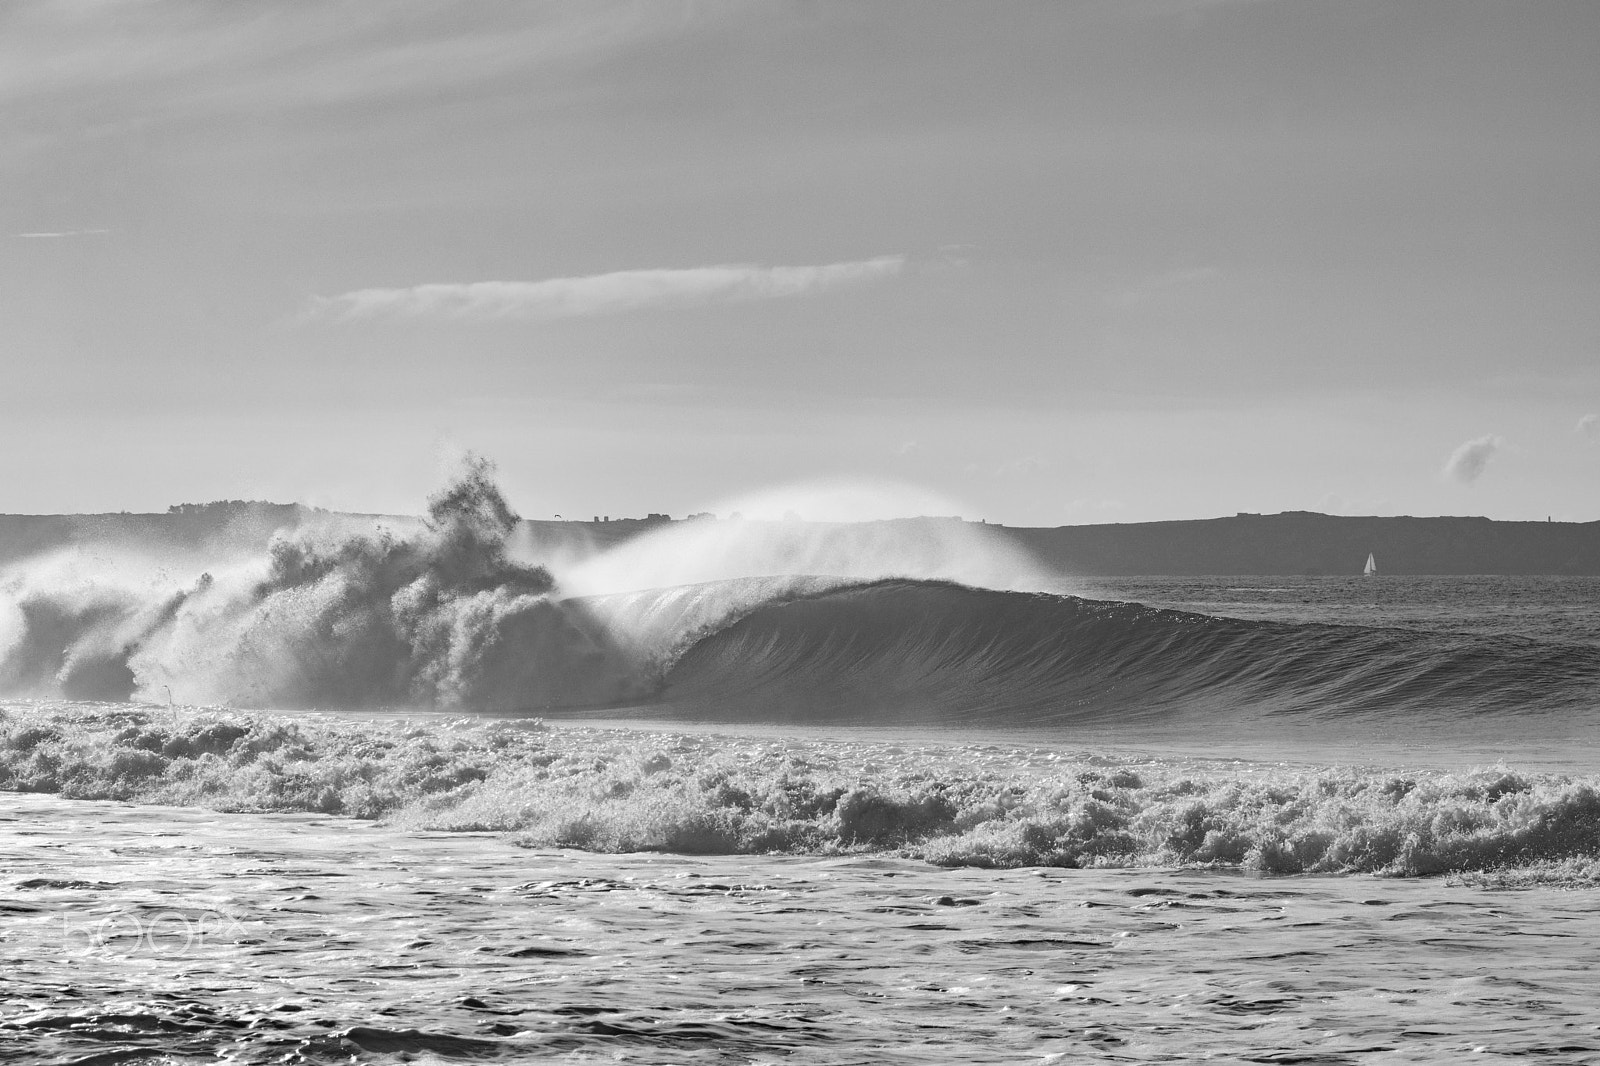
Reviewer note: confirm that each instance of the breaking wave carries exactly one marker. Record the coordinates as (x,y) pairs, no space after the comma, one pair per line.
(454,612)
(934,652)
(448,615)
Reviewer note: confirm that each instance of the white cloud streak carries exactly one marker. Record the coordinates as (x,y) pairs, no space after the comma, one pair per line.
(1589,426)
(51,234)
(600,294)
(199,58)
(1468,462)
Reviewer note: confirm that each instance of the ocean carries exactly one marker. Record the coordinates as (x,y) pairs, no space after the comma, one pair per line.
(444,796)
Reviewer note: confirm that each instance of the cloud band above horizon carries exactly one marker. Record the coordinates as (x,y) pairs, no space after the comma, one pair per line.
(600,294)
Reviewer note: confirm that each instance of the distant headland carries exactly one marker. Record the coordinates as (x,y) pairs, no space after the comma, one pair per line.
(1291,543)
(1307,543)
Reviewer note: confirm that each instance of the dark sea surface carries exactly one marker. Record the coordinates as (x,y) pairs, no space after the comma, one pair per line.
(1552,610)
(174,935)
(1539,631)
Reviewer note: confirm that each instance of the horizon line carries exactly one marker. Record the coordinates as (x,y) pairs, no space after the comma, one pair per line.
(183,510)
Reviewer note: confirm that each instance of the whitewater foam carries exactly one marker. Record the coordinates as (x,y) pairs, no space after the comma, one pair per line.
(949,803)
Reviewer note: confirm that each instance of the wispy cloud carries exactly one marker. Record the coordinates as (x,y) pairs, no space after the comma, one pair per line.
(1589,426)
(187,58)
(64,233)
(1467,463)
(600,294)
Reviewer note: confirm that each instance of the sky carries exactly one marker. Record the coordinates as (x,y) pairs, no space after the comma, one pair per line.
(1039,263)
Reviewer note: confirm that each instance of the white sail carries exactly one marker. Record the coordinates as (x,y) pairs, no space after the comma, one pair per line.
(1372,565)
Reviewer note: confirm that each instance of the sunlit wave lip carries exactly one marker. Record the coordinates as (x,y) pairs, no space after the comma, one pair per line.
(841,500)
(854,529)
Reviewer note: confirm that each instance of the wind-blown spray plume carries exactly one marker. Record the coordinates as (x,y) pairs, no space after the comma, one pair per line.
(852,542)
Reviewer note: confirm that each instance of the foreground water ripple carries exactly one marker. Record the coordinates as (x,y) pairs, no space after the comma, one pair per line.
(154,934)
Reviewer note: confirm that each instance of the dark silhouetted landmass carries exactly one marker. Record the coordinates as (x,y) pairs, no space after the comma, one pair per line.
(228,526)
(1303,542)
(1295,542)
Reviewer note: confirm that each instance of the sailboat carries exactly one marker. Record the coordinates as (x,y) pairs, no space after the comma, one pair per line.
(1371,568)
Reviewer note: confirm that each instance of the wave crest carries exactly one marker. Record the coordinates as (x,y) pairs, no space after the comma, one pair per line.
(453,614)
(938,653)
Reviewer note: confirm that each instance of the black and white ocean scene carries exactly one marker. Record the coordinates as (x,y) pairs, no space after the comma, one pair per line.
(799,532)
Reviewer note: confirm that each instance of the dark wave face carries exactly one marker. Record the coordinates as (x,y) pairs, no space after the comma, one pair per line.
(929,652)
